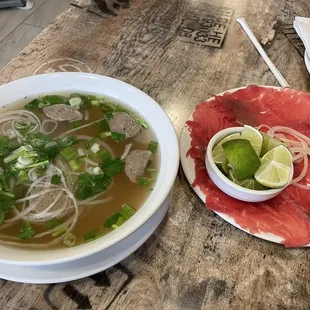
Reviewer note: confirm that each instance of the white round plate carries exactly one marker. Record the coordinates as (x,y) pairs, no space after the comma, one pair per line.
(87,266)
(307,61)
(188,166)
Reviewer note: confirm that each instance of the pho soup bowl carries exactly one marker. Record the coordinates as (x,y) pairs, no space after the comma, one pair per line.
(131,98)
(225,184)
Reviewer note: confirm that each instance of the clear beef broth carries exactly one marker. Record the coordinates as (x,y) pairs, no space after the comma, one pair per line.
(121,192)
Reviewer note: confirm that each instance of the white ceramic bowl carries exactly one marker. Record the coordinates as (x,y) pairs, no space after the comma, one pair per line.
(229,187)
(134,99)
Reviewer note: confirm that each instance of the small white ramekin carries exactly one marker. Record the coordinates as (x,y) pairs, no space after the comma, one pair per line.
(229,187)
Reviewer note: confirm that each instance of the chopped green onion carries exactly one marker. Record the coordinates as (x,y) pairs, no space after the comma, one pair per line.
(74,165)
(117,136)
(15,154)
(151,170)
(111,220)
(22,177)
(127,211)
(56,179)
(153,146)
(120,221)
(69,153)
(104,125)
(95,102)
(115,226)
(26,232)
(30,155)
(144,181)
(60,231)
(104,134)
(109,115)
(75,102)
(52,223)
(76,124)
(7,194)
(69,239)
(97,236)
(142,123)
(91,234)
(40,164)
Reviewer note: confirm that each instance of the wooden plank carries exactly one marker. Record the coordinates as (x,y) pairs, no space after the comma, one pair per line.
(47,13)
(16,41)
(11,18)
(194,260)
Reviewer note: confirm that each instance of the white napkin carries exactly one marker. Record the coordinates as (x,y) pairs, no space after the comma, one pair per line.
(302,27)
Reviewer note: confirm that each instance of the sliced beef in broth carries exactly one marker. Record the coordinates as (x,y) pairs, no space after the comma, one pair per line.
(62,112)
(123,123)
(136,163)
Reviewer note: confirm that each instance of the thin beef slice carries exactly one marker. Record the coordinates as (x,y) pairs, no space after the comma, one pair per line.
(62,112)
(123,123)
(136,163)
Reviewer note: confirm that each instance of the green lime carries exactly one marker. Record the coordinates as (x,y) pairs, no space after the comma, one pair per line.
(249,183)
(219,155)
(241,157)
(269,143)
(254,136)
(276,167)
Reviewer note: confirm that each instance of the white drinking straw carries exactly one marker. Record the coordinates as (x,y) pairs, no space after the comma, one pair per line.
(261,51)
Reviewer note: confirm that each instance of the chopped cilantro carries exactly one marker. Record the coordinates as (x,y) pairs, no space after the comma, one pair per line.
(26,232)
(104,125)
(45,101)
(112,167)
(89,185)
(144,181)
(153,145)
(6,203)
(117,136)
(55,179)
(109,115)
(67,141)
(50,224)
(6,145)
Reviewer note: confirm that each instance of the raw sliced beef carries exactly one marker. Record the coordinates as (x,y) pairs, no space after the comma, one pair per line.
(288,214)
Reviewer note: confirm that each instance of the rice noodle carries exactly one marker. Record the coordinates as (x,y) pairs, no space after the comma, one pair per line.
(126,151)
(47,122)
(13,117)
(79,128)
(95,202)
(86,115)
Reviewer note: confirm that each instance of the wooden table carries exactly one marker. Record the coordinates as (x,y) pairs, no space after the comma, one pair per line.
(194,260)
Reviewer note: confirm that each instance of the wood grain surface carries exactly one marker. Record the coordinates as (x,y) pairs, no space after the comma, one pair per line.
(194,260)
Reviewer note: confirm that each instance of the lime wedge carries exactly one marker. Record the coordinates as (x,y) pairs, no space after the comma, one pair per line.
(276,167)
(241,157)
(269,143)
(219,156)
(249,183)
(254,136)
